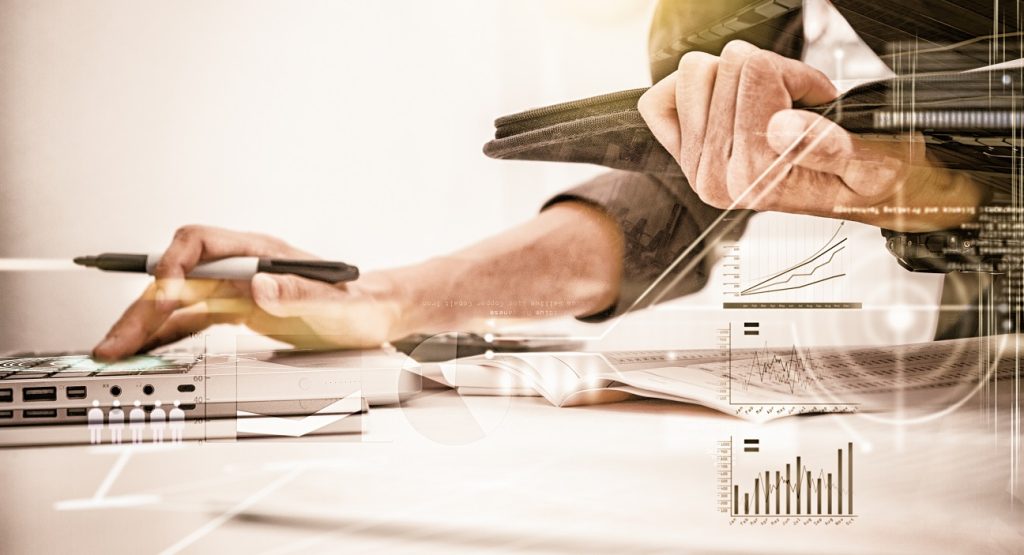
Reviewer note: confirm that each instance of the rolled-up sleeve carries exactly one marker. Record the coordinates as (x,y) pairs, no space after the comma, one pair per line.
(668,232)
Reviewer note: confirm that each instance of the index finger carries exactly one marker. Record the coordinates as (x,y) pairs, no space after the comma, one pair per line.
(194,244)
(144,316)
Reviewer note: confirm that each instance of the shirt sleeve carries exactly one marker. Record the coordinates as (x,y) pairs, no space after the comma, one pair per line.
(669,235)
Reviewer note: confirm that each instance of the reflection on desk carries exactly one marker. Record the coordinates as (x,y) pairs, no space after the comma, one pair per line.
(638,476)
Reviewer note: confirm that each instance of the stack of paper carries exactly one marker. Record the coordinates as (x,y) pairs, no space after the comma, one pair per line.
(756,383)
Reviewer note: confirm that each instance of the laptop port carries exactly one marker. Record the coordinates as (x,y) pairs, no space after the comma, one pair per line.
(6,395)
(39,394)
(186,388)
(148,389)
(39,413)
(76,412)
(6,414)
(76,392)
(115,391)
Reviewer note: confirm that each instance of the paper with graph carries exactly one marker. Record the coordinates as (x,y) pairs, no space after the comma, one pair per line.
(758,384)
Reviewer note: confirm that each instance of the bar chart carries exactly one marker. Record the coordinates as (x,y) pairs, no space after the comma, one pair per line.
(799,488)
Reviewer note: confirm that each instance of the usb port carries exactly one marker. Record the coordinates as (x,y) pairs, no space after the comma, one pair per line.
(39,413)
(6,414)
(76,412)
(39,394)
(6,395)
(76,392)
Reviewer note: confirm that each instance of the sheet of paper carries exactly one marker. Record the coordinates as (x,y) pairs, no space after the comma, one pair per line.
(757,383)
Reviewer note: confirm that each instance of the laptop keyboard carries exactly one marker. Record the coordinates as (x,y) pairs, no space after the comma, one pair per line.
(78,366)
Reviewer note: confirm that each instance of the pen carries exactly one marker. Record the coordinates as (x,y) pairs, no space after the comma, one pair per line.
(243,267)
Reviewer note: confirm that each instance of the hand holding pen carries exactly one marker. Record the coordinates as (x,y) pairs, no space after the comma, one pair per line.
(236,267)
(276,290)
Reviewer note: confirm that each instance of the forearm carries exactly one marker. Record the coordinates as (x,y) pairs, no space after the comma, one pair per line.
(566,261)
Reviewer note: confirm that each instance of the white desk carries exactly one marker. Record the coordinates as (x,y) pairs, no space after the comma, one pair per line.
(636,476)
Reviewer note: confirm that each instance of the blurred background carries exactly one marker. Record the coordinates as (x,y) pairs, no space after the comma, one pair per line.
(350,129)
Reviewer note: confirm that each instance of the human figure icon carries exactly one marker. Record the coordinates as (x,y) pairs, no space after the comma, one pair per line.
(158,422)
(137,422)
(177,420)
(115,421)
(95,418)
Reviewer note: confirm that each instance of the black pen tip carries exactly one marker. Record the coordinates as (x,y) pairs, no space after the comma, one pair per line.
(88,261)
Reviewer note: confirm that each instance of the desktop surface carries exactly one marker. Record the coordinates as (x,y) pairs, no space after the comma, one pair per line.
(457,474)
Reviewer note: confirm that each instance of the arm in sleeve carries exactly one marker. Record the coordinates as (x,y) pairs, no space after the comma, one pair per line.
(661,218)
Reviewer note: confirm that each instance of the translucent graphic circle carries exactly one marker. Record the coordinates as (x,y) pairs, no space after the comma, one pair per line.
(465,395)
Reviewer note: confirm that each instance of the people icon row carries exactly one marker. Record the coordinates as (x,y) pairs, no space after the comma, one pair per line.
(159,420)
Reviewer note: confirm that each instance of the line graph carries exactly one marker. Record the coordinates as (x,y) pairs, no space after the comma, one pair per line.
(780,281)
(788,264)
(775,380)
(789,371)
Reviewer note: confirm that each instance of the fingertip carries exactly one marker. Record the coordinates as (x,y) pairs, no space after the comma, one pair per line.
(786,128)
(807,85)
(169,267)
(169,292)
(106,350)
(265,290)
(822,90)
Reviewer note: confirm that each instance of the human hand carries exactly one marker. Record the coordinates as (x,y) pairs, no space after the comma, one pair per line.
(362,313)
(730,123)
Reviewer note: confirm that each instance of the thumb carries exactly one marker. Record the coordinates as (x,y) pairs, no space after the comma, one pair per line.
(657,107)
(287,295)
(815,143)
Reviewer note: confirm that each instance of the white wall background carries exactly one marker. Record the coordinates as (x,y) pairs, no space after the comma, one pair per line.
(350,128)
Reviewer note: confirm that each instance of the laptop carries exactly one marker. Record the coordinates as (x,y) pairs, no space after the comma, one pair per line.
(68,399)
